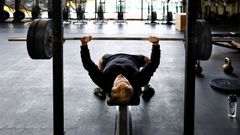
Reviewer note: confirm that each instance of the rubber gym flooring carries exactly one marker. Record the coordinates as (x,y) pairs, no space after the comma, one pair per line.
(26,85)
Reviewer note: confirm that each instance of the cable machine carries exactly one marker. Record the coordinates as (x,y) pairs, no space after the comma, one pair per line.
(99,12)
(169,18)
(152,15)
(120,10)
(80,12)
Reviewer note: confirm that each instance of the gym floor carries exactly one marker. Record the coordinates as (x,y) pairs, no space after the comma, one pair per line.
(26,85)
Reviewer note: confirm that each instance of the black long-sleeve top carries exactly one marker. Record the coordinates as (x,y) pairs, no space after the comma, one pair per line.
(125,64)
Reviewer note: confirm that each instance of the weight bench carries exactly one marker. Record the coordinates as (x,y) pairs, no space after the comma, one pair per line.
(123,119)
(225,34)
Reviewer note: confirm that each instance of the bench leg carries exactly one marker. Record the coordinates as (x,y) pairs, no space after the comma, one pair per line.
(123,123)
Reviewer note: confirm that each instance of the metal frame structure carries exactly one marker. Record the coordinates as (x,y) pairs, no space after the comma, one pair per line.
(58,82)
(123,117)
(190,59)
(123,121)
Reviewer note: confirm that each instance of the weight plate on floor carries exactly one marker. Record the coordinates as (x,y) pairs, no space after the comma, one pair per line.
(203,40)
(225,85)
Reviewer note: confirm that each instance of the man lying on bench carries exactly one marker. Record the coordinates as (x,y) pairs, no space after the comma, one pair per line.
(121,76)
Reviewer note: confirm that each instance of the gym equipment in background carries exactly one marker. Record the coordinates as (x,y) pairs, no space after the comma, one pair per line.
(225,85)
(35,10)
(120,10)
(66,11)
(80,12)
(152,15)
(99,11)
(227,66)
(207,9)
(198,68)
(18,15)
(4,15)
(169,17)
(49,9)
(216,17)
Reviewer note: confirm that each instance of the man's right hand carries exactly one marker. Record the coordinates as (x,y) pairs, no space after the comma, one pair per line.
(86,39)
(153,39)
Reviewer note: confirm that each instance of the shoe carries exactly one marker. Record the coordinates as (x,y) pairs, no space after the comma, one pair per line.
(98,92)
(148,92)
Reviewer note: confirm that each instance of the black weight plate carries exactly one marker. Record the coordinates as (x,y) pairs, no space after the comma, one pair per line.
(154,16)
(4,15)
(49,14)
(120,16)
(204,40)
(31,47)
(225,85)
(42,41)
(18,16)
(66,13)
(100,15)
(35,12)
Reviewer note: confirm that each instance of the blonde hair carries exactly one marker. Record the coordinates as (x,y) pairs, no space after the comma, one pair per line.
(122,92)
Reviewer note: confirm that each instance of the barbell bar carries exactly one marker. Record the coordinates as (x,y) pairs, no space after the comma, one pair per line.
(39,39)
(214,39)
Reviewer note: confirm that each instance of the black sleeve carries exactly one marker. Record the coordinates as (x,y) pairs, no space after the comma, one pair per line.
(141,60)
(93,71)
(147,71)
(105,58)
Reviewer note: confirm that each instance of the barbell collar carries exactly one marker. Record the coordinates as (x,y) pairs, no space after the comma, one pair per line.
(214,39)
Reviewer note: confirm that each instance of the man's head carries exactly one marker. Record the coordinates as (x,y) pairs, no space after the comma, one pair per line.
(122,90)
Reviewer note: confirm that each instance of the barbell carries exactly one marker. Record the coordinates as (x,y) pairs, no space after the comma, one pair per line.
(39,39)
(214,39)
